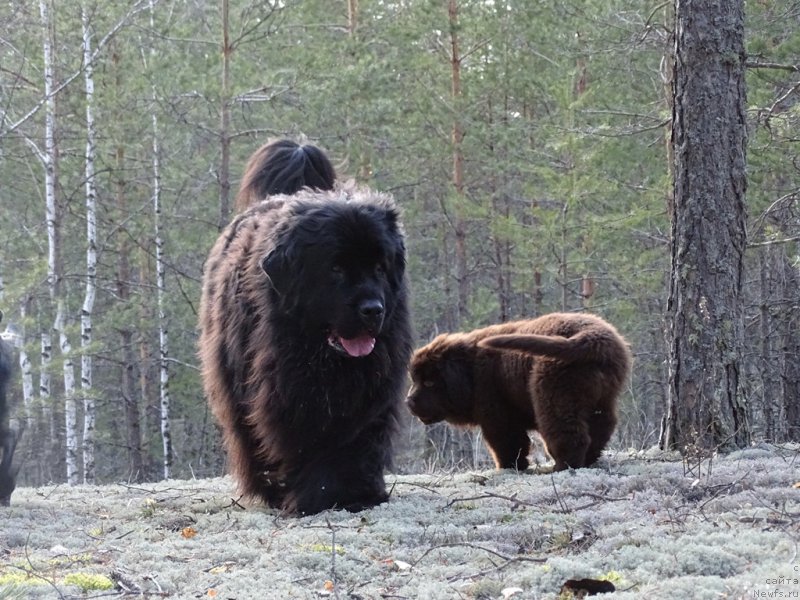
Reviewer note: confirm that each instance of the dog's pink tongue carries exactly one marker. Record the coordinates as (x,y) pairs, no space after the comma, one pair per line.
(360,346)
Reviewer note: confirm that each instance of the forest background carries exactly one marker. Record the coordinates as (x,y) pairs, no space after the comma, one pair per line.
(527,142)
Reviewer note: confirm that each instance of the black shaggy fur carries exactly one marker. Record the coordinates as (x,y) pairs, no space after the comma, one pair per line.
(296,291)
(8,437)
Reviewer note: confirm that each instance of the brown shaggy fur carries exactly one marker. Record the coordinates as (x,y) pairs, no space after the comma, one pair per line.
(561,378)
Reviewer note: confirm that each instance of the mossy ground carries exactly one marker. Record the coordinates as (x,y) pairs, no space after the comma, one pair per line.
(653,525)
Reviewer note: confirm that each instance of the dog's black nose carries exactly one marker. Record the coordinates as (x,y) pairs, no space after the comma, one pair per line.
(371,312)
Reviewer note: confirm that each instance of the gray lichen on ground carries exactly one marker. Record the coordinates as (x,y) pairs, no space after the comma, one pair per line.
(655,526)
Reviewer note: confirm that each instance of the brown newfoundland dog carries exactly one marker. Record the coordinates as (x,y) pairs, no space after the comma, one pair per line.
(304,343)
(559,374)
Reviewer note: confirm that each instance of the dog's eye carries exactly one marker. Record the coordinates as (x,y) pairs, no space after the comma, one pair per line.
(337,270)
(379,269)
(428,383)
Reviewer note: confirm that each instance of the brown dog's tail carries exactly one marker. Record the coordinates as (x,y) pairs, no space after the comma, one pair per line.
(591,345)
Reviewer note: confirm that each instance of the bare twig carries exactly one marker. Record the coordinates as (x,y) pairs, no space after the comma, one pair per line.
(561,503)
(333,558)
(513,499)
(505,557)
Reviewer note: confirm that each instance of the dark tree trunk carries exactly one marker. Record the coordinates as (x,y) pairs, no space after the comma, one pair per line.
(790,375)
(706,408)
(225,123)
(459,221)
(128,379)
(770,380)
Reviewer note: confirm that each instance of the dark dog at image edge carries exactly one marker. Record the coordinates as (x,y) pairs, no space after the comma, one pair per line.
(559,374)
(304,344)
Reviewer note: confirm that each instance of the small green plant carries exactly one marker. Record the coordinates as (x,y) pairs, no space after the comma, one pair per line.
(70,559)
(507,518)
(12,591)
(18,579)
(485,589)
(324,548)
(614,577)
(89,582)
(149,508)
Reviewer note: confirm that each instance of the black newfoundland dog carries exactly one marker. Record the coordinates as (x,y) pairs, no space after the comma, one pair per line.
(305,341)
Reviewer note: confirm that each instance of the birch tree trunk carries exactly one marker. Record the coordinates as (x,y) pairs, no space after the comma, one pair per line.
(163,333)
(706,408)
(25,366)
(91,260)
(70,406)
(49,160)
(54,259)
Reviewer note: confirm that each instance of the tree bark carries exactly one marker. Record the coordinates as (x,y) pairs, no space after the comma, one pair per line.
(164,407)
(25,366)
(129,386)
(790,372)
(163,332)
(225,122)
(457,138)
(706,408)
(87,310)
(54,262)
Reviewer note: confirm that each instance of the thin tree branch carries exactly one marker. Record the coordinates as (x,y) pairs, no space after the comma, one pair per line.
(754,64)
(137,8)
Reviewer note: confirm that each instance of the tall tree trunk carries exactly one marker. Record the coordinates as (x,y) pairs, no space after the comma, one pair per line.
(87,310)
(667,71)
(706,408)
(70,405)
(501,209)
(163,333)
(790,372)
(150,424)
(563,266)
(129,388)
(225,122)
(352,17)
(53,225)
(25,366)
(768,366)
(49,159)
(457,138)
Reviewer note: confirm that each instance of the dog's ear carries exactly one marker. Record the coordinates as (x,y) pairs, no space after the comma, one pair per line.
(398,256)
(457,376)
(399,259)
(277,266)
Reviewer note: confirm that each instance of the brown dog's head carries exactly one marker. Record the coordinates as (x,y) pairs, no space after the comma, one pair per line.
(441,381)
